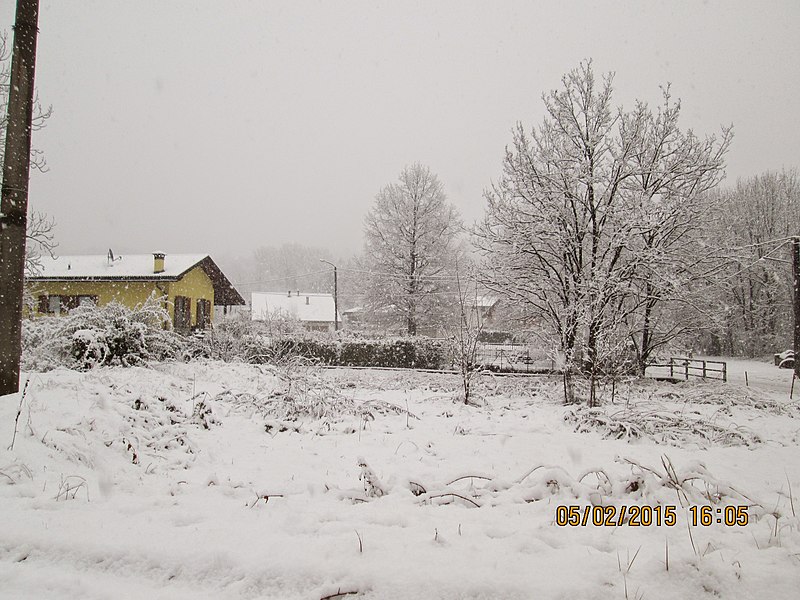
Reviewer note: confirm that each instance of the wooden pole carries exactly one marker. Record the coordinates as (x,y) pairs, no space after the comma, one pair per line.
(14,200)
(796,302)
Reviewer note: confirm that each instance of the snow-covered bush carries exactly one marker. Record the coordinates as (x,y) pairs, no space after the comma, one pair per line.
(251,342)
(234,339)
(90,336)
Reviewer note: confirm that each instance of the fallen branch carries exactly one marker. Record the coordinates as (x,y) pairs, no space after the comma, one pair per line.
(431,497)
(265,498)
(470,477)
(339,593)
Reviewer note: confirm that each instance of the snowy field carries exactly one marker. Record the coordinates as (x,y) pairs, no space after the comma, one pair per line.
(212,480)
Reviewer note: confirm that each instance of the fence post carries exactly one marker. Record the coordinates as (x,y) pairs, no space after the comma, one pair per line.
(724,372)
(704,370)
(686,369)
(671,373)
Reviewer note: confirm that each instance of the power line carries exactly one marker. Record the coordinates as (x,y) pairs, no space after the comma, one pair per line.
(284,278)
(405,276)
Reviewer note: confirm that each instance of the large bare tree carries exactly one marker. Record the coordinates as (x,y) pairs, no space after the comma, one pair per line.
(411,247)
(588,216)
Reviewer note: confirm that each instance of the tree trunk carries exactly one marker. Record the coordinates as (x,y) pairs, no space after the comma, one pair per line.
(569,386)
(412,323)
(14,202)
(644,355)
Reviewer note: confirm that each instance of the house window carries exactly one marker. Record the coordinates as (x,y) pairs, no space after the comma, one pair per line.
(87,300)
(183,313)
(203,319)
(56,304)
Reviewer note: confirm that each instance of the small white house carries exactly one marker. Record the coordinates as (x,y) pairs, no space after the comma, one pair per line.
(314,311)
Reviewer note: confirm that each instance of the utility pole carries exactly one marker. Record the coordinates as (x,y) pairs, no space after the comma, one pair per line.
(14,201)
(335,295)
(796,303)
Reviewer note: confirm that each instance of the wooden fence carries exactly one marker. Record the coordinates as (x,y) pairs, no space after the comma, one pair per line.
(681,367)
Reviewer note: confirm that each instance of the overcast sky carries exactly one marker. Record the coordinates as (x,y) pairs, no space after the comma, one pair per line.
(209,126)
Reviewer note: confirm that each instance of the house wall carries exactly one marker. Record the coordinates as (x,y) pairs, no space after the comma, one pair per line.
(128,293)
(195,285)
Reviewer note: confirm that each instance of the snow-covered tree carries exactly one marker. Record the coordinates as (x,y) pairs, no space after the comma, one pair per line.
(411,247)
(586,223)
(669,213)
(756,217)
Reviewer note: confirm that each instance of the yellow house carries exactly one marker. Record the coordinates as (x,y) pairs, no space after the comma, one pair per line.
(191,283)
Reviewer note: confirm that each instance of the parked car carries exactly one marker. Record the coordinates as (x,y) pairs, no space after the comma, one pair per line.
(785,359)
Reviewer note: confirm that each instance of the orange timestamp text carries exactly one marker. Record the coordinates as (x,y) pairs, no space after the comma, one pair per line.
(645,516)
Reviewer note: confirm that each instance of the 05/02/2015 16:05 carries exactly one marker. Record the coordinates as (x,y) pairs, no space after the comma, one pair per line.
(646,516)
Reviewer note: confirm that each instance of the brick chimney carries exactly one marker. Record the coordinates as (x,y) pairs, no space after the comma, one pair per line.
(158,262)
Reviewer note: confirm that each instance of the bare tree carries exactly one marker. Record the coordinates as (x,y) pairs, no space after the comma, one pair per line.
(39,114)
(590,210)
(40,241)
(467,336)
(753,301)
(411,246)
(669,214)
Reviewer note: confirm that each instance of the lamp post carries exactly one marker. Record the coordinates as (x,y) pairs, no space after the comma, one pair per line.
(335,295)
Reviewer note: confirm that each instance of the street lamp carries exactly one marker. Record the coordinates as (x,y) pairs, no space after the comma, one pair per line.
(335,295)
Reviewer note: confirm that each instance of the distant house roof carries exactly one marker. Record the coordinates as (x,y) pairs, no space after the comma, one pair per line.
(135,267)
(317,308)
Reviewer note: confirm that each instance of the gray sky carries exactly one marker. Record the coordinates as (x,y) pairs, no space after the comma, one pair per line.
(208,126)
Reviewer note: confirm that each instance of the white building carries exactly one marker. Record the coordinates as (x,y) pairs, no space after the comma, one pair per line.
(314,311)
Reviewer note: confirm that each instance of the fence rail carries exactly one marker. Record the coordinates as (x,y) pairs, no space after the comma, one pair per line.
(681,367)
(520,358)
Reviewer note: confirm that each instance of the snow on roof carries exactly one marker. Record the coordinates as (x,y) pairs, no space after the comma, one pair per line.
(305,307)
(127,266)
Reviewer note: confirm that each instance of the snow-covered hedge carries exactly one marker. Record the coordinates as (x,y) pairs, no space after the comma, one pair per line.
(417,353)
(250,342)
(90,336)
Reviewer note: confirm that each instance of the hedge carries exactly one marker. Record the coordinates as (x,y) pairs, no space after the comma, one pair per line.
(237,342)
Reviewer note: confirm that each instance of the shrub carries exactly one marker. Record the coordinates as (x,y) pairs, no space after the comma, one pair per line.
(234,339)
(89,336)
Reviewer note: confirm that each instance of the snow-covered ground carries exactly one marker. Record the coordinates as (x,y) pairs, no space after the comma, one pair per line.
(388,488)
